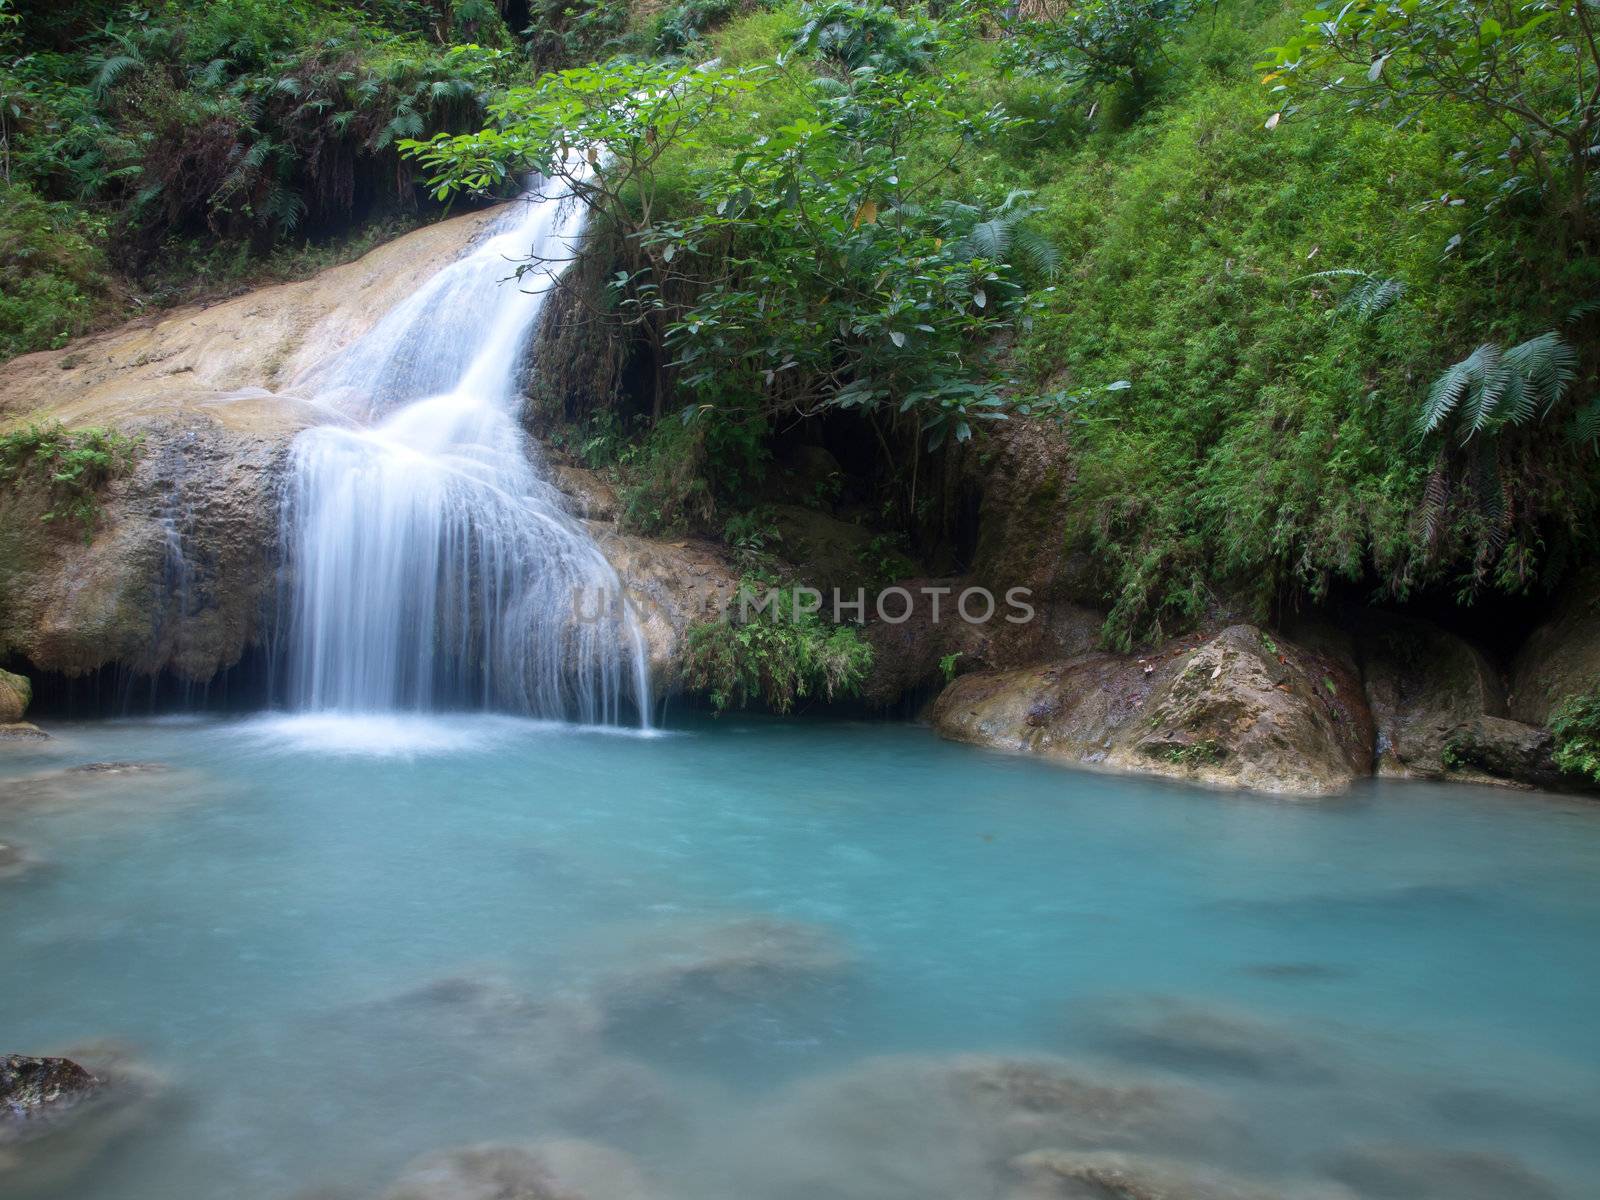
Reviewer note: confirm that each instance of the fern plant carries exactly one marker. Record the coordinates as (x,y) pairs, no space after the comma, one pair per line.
(1369,297)
(1492,387)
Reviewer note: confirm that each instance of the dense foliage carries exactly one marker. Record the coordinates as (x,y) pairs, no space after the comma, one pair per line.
(783,653)
(1576,725)
(189,142)
(1322,323)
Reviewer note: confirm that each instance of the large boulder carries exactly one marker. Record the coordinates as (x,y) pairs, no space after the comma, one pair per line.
(1561,658)
(671,586)
(15,694)
(1237,709)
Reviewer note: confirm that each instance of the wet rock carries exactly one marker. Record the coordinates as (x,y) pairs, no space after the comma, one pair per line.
(58,1114)
(830,553)
(1062,1175)
(35,1092)
(15,694)
(588,494)
(565,1169)
(1409,1172)
(1238,709)
(672,586)
(1440,708)
(1561,658)
(908,655)
(22,731)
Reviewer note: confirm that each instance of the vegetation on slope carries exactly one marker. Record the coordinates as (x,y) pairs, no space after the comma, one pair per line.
(1272,302)
(1313,292)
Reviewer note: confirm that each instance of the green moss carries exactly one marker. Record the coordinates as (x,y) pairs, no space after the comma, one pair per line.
(70,465)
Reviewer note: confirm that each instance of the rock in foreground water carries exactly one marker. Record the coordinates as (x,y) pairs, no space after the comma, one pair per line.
(38,1091)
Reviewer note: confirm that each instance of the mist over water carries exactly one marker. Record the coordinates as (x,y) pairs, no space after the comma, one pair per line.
(430,565)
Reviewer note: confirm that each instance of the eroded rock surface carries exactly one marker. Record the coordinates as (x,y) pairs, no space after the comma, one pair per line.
(1238,709)
(1561,658)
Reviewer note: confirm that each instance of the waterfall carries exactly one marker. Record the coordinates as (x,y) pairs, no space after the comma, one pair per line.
(430,565)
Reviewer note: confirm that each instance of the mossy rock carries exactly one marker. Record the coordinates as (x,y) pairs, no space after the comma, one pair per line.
(15,695)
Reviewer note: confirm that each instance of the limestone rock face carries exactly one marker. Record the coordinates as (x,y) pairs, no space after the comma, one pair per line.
(1440,707)
(15,694)
(179,572)
(179,569)
(671,586)
(1238,709)
(1562,657)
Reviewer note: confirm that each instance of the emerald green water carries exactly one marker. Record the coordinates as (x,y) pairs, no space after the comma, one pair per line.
(344,943)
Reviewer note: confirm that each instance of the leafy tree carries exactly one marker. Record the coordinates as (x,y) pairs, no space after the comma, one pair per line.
(1100,42)
(601,131)
(1527,70)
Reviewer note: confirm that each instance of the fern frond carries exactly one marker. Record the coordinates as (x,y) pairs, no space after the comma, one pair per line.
(1586,425)
(1548,364)
(1035,252)
(1452,386)
(113,69)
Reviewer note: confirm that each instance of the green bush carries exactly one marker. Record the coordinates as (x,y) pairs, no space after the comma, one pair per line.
(55,273)
(774,660)
(1576,725)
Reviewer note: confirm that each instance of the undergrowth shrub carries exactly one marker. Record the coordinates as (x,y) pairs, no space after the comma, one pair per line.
(775,658)
(55,274)
(1576,725)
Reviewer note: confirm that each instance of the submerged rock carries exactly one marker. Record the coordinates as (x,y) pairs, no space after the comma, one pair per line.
(1240,709)
(1063,1175)
(116,768)
(932,1126)
(564,1169)
(1407,1172)
(15,694)
(1224,1041)
(22,731)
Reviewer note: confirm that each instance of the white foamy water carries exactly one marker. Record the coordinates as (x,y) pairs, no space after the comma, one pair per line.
(430,564)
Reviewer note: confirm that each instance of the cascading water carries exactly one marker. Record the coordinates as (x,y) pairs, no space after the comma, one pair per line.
(431,566)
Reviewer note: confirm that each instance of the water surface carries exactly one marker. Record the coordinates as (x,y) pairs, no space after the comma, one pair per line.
(739,952)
